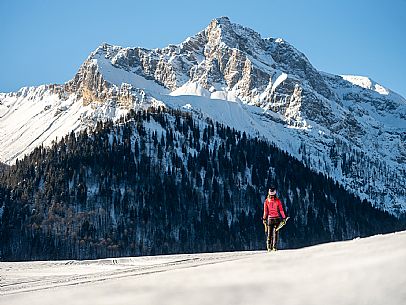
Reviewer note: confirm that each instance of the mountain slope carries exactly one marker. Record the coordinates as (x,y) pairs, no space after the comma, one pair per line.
(160,182)
(336,273)
(347,127)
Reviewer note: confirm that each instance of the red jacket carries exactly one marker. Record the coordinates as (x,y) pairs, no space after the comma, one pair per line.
(272,208)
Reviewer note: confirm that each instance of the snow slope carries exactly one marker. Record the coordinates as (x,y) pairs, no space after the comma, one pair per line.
(360,271)
(367,83)
(35,116)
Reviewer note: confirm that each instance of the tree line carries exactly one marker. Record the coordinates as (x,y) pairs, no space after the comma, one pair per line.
(160,181)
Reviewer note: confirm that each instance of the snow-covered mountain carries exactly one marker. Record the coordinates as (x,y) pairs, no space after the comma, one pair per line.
(347,127)
(334,273)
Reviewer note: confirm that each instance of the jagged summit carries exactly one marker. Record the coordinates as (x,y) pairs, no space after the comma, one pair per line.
(320,118)
(221,30)
(230,60)
(222,20)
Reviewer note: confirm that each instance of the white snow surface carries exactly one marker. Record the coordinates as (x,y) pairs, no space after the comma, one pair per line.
(34,116)
(195,89)
(366,82)
(360,271)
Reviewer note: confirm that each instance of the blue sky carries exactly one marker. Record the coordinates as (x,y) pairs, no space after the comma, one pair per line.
(46,41)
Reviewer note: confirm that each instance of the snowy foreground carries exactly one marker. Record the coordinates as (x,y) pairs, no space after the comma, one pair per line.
(361,271)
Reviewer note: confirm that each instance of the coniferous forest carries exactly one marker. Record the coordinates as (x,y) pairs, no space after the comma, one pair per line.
(160,181)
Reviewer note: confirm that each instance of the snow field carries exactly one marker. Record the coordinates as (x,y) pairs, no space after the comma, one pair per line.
(360,271)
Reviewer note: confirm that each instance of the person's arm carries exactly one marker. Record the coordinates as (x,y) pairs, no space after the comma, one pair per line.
(265,216)
(281,211)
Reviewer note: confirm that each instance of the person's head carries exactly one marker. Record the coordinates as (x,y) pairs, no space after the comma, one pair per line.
(272,191)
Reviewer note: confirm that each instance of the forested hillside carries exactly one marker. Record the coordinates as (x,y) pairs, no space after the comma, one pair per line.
(162,181)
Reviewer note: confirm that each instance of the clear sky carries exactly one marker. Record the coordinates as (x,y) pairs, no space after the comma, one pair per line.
(45,41)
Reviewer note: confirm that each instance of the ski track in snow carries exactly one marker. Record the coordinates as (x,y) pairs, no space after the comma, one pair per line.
(359,271)
(19,277)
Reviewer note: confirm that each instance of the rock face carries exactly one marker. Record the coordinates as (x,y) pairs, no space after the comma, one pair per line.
(347,127)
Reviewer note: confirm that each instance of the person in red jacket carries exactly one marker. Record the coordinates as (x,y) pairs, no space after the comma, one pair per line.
(273,215)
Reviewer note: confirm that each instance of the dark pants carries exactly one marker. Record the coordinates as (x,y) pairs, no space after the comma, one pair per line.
(272,235)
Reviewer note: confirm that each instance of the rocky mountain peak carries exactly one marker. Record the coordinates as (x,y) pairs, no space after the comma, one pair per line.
(224,57)
(221,32)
